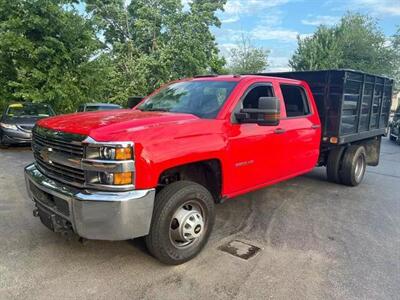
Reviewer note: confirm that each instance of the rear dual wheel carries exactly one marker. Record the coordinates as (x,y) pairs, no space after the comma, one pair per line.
(334,164)
(347,165)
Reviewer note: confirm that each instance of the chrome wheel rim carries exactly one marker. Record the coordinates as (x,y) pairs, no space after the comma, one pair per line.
(359,170)
(187,224)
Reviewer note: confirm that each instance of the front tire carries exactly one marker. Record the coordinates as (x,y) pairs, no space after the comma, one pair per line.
(183,218)
(353,165)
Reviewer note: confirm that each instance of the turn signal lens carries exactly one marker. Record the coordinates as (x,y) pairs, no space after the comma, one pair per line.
(334,140)
(122,178)
(123,153)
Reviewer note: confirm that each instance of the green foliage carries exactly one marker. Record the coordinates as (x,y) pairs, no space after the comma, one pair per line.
(355,43)
(154,41)
(45,53)
(396,58)
(247,59)
(50,52)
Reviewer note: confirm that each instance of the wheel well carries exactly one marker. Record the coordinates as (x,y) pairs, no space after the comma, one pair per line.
(207,173)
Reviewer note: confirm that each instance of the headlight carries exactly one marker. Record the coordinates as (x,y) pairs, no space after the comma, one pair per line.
(109,152)
(110,164)
(8,126)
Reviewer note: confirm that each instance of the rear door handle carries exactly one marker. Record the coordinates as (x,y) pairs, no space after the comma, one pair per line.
(280,130)
(315,126)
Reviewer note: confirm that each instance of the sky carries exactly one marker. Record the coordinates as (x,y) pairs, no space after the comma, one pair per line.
(275,24)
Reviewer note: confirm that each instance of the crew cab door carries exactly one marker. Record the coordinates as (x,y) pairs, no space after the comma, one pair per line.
(254,152)
(301,126)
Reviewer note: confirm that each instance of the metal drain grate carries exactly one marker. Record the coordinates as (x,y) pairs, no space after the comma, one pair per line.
(240,249)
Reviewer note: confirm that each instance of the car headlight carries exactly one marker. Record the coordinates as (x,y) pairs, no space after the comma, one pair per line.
(110,155)
(8,126)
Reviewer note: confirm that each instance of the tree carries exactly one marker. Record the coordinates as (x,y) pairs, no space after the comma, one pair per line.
(320,51)
(355,43)
(46,54)
(245,58)
(52,52)
(396,61)
(151,42)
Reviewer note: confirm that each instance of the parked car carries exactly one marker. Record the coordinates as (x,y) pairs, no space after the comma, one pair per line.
(97,106)
(159,169)
(394,130)
(18,119)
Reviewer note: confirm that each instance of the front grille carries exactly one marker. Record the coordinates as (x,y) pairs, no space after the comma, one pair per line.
(74,148)
(60,172)
(46,142)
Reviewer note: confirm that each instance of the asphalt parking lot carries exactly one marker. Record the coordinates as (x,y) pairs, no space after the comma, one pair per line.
(318,240)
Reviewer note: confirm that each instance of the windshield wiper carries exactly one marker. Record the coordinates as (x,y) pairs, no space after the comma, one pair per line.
(156,109)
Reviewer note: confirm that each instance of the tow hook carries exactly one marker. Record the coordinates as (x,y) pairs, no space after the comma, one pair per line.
(35,212)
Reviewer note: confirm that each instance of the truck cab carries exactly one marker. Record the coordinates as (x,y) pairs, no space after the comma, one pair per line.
(158,170)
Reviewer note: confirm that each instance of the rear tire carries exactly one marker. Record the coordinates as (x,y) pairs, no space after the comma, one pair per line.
(334,163)
(353,165)
(182,221)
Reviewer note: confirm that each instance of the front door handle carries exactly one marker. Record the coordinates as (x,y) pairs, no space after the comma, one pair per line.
(315,126)
(280,130)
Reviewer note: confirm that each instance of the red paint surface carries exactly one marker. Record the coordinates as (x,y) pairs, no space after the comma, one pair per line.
(251,156)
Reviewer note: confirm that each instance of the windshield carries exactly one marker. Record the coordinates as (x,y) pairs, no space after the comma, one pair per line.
(29,110)
(201,98)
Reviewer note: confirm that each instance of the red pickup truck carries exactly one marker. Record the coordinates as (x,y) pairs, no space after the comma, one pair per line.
(157,170)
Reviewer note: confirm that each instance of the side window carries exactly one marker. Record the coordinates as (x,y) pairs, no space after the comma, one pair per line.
(296,102)
(80,109)
(251,99)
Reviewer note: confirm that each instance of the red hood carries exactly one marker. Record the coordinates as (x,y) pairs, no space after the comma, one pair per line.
(111,122)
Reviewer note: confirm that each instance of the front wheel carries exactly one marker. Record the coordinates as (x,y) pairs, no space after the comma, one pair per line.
(182,221)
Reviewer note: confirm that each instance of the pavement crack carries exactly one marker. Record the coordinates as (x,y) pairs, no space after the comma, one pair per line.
(388,175)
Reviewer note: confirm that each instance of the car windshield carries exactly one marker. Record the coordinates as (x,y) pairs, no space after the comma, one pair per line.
(29,110)
(201,98)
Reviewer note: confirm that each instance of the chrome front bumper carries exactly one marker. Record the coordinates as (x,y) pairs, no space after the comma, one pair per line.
(91,214)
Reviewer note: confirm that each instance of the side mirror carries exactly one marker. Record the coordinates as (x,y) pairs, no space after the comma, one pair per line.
(133,101)
(267,113)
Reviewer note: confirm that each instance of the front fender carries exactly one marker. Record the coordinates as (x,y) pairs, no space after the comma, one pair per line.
(153,159)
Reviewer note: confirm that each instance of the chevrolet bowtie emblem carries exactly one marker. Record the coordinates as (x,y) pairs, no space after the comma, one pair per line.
(45,154)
